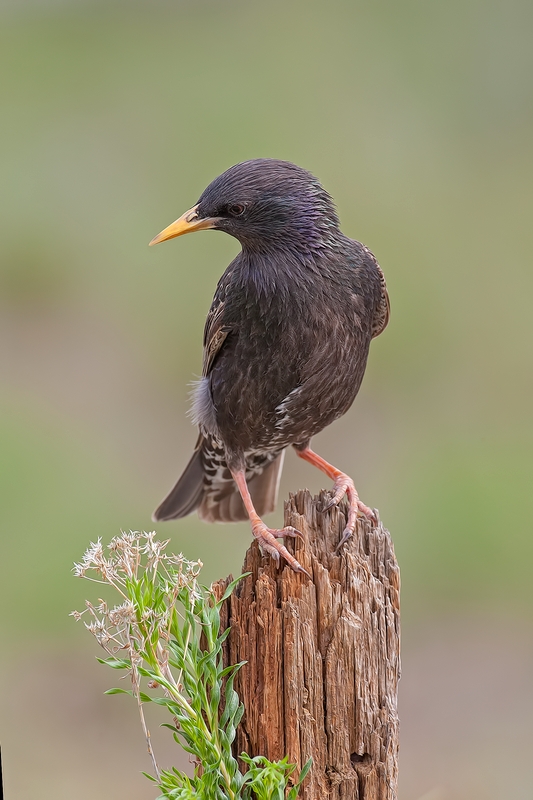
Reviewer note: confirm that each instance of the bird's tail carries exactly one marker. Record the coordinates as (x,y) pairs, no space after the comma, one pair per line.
(187,494)
(206,485)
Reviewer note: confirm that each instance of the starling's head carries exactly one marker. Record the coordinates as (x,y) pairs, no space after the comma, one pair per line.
(265,204)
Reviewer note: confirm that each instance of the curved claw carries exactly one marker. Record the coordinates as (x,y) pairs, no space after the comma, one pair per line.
(330,503)
(346,534)
(299,568)
(293,533)
(341,487)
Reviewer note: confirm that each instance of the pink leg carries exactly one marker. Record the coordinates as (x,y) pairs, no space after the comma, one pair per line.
(343,485)
(267,537)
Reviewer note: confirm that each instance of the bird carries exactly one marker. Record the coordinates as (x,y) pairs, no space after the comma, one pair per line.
(285,346)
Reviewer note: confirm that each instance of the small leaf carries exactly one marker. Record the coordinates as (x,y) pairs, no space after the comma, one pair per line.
(169,726)
(119,691)
(232,703)
(238,715)
(232,668)
(231,586)
(114,663)
(293,794)
(224,635)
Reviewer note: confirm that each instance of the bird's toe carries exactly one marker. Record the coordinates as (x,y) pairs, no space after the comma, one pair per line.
(268,541)
(293,533)
(368,512)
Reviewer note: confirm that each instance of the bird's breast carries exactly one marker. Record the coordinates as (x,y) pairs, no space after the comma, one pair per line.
(287,369)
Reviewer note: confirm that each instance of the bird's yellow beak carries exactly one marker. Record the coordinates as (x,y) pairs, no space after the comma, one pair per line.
(187,223)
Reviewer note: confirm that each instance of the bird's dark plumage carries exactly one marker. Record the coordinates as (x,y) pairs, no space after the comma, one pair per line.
(285,344)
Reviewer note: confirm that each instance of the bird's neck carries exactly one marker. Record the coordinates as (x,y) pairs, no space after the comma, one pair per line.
(266,276)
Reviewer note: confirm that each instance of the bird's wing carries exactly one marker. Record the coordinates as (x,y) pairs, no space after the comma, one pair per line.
(215,331)
(382,314)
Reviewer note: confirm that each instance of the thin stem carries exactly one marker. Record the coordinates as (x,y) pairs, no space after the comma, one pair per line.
(136,683)
(147,736)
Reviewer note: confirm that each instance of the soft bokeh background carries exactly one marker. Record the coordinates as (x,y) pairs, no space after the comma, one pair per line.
(418,118)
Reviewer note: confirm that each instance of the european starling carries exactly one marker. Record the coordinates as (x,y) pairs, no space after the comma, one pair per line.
(285,344)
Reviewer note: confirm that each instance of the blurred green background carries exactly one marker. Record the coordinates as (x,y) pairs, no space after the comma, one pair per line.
(418,118)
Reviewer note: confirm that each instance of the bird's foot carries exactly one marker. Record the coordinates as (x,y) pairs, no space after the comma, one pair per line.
(268,540)
(345,486)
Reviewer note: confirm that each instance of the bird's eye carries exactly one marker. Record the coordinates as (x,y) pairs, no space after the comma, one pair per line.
(236,210)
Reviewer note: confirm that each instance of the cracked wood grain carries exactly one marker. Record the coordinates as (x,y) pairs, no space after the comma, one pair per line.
(323,655)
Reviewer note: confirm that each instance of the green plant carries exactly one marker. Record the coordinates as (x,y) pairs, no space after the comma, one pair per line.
(166,633)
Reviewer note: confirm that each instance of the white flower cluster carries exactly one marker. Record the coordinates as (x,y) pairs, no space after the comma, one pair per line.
(132,556)
(126,558)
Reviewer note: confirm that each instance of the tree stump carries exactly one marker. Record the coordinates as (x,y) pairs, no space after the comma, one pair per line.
(323,655)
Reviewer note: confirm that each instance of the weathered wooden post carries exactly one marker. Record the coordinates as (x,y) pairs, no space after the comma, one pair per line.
(323,655)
